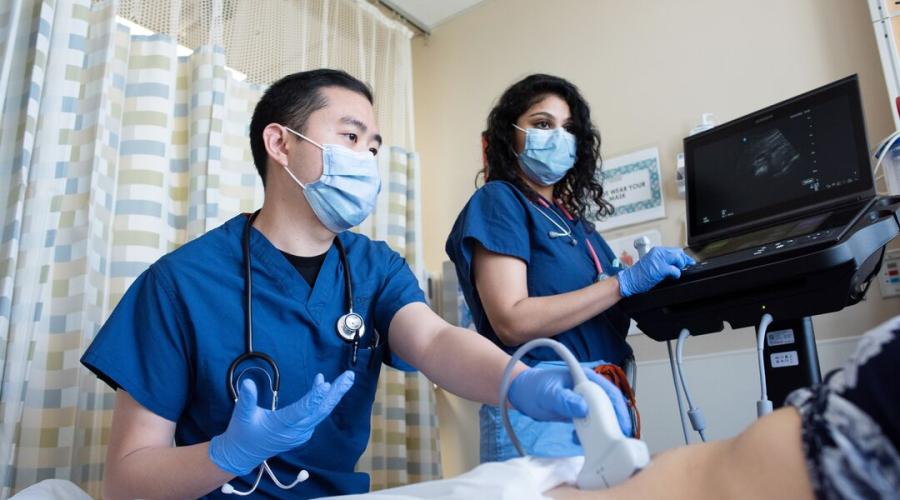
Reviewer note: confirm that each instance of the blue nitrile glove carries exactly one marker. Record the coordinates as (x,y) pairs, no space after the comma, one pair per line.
(659,263)
(546,394)
(255,434)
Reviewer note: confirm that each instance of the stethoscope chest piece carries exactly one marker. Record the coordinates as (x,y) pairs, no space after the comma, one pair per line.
(351,327)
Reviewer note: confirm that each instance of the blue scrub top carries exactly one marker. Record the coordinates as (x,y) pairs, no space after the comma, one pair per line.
(171,338)
(500,218)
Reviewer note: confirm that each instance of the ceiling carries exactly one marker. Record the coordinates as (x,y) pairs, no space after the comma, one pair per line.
(430,13)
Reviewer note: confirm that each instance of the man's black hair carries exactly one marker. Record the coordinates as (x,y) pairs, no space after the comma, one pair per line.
(291,100)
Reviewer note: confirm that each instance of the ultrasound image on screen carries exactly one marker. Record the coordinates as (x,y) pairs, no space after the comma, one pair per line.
(775,160)
(767,155)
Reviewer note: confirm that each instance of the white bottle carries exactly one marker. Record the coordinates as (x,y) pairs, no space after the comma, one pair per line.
(707,121)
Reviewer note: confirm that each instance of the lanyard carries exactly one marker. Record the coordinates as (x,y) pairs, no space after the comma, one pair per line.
(591,252)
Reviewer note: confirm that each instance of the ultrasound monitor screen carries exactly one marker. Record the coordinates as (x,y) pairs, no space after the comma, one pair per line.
(802,152)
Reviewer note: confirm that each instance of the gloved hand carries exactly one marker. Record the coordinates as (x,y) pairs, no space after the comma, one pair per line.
(255,434)
(546,394)
(659,263)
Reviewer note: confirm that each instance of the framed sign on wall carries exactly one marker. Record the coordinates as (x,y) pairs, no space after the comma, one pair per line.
(632,184)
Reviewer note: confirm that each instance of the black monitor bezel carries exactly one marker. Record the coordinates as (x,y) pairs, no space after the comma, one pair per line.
(863,189)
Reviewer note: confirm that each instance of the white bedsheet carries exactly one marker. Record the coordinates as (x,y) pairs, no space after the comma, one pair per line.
(52,489)
(518,479)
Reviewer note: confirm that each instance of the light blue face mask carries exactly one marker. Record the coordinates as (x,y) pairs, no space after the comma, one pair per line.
(548,154)
(346,193)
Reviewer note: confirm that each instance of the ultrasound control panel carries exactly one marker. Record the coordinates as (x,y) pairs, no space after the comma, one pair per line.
(819,272)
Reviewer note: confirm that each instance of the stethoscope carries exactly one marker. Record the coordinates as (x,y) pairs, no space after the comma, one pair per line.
(350,328)
(564,231)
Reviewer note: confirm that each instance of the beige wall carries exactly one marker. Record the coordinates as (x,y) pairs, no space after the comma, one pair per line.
(648,69)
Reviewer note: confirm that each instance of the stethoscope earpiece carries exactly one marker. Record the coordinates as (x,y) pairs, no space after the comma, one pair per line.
(556,234)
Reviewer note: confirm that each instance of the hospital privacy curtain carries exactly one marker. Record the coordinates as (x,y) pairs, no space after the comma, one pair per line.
(115,150)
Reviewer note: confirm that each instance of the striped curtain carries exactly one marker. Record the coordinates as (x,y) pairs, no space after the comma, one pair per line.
(115,150)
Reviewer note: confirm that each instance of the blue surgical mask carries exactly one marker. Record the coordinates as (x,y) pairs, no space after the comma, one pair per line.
(548,154)
(346,193)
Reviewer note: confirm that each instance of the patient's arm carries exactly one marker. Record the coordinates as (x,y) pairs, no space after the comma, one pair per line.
(765,461)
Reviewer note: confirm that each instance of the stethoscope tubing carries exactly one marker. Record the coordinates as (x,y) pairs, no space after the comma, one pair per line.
(567,232)
(249,351)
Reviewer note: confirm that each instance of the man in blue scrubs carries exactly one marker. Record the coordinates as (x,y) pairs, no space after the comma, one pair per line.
(177,432)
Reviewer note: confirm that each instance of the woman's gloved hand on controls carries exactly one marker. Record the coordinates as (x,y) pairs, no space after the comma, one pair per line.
(659,263)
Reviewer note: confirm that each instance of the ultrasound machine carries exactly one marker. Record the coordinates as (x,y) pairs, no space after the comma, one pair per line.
(784,221)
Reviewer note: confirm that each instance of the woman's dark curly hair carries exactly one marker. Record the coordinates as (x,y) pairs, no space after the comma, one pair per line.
(579,187)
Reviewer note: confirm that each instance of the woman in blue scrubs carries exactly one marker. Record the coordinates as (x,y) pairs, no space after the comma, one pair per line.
(529,263)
